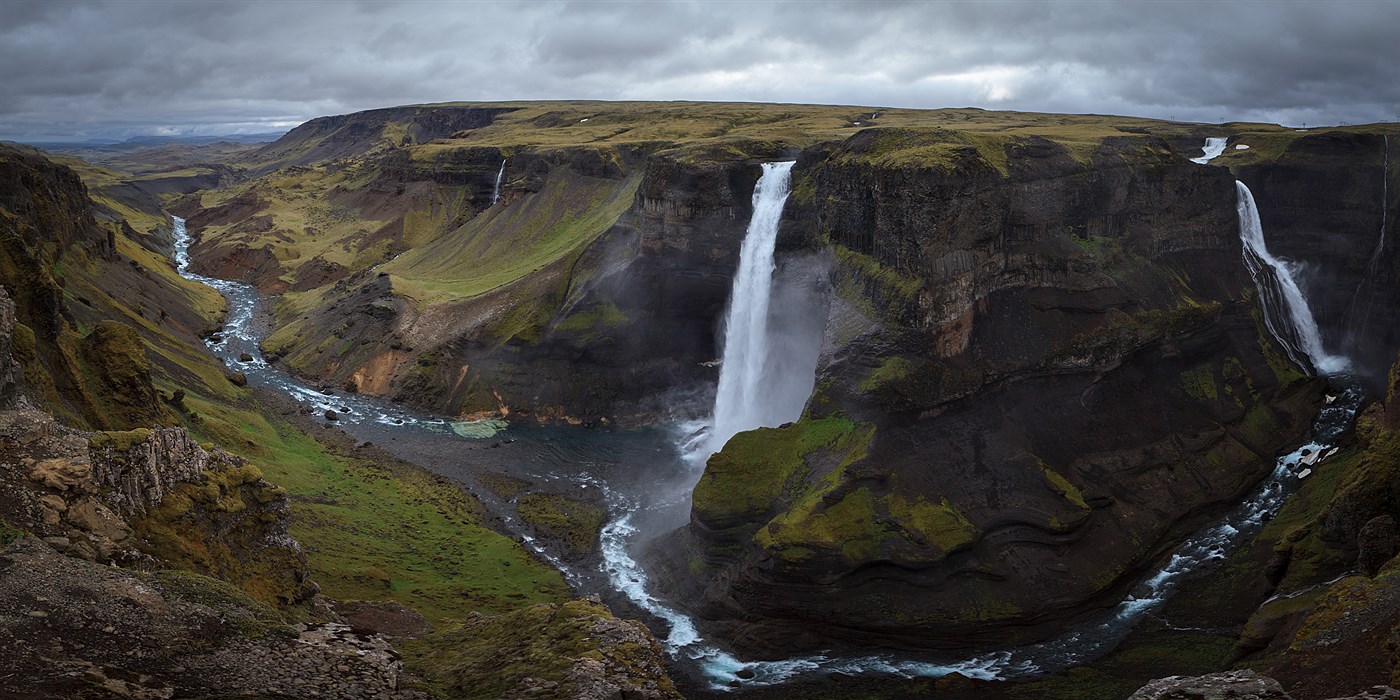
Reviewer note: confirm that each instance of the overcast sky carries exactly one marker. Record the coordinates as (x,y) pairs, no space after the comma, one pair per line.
(77,70)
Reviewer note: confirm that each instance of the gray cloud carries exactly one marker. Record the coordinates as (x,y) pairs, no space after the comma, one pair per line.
(83,69)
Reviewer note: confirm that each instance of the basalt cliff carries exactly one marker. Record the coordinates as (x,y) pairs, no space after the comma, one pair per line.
(1039,360)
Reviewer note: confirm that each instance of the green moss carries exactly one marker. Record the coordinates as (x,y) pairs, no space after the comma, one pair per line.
(1261,426)
(751,473)
(239,613)
(503,485)
(891,371)
(937,524)
(8,534)
(1125,332)
(892,282)
(120,440)
(863,527)
(1199,382)
(491,657)
(595,321)
(574,523)
(1062,486)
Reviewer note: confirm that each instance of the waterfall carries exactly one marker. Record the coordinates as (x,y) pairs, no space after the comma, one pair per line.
(1367,282)
(744,400)
(500,174)
(1282,299)
(1215,145)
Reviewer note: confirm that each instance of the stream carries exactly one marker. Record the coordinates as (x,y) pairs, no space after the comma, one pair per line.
(644,479)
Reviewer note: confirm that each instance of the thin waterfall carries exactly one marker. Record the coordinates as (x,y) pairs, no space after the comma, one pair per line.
(1368,281)
(1215,145)
(742,401)
(1286,311)
(500,174)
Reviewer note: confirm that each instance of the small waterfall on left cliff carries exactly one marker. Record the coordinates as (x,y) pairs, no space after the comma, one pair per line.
(500,174)
(1286,310)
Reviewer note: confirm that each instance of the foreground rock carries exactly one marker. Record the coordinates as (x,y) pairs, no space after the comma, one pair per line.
(1236,685)
(70,628)
(574,650)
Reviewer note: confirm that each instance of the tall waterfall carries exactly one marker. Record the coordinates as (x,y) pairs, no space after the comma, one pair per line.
(500,174)
(1286,310)
(744,400)
(1215,145)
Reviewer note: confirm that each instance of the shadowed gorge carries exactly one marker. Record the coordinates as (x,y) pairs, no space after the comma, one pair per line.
(678,399)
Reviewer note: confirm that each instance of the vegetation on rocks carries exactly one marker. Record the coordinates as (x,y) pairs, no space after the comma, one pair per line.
(573,649)
(574,524)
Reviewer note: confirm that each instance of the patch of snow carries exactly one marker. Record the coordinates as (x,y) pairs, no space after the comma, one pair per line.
(1241,147)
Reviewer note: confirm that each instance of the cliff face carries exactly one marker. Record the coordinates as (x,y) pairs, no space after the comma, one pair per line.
(1043,367)
(1330,203)
(91,297)
(608,314)
(144,497)
(327,138)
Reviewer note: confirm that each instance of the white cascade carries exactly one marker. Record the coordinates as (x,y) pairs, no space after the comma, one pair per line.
(500,174)
(1286,310)
(743,402)
(1215,145)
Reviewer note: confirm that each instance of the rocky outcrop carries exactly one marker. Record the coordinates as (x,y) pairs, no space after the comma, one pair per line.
(1237,685)
(142,496)
(1055,371)
(72,628)
(1243,685)
(575,650)
(11,373)
(146,497)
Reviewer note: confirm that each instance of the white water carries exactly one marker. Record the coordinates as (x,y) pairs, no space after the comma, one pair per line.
(1215,145)
(724,670)
(1286,310)
(500,174)
(744,399)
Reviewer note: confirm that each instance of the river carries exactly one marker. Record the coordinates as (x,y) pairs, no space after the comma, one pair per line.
(643,478)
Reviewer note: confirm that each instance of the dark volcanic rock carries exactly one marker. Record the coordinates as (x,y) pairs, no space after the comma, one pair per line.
(1037,378)
(71,628)
(1331,204)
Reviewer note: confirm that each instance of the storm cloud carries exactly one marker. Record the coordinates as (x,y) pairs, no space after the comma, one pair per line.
(88,69)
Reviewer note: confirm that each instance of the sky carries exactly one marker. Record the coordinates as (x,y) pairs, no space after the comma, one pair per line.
(74,70)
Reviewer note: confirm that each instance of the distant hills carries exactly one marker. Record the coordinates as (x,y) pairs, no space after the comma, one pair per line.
(136,142)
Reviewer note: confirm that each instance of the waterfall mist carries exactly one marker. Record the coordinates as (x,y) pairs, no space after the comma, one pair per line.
(760,382)
(1286,311)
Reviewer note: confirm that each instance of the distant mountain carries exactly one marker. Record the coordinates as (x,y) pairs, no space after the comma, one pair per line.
(136,142)
(202,140)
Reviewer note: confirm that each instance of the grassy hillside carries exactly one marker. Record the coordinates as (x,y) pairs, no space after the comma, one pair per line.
(373,528)
(504,244)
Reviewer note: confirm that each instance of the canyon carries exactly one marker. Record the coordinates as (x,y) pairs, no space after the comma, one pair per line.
(1018,360)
